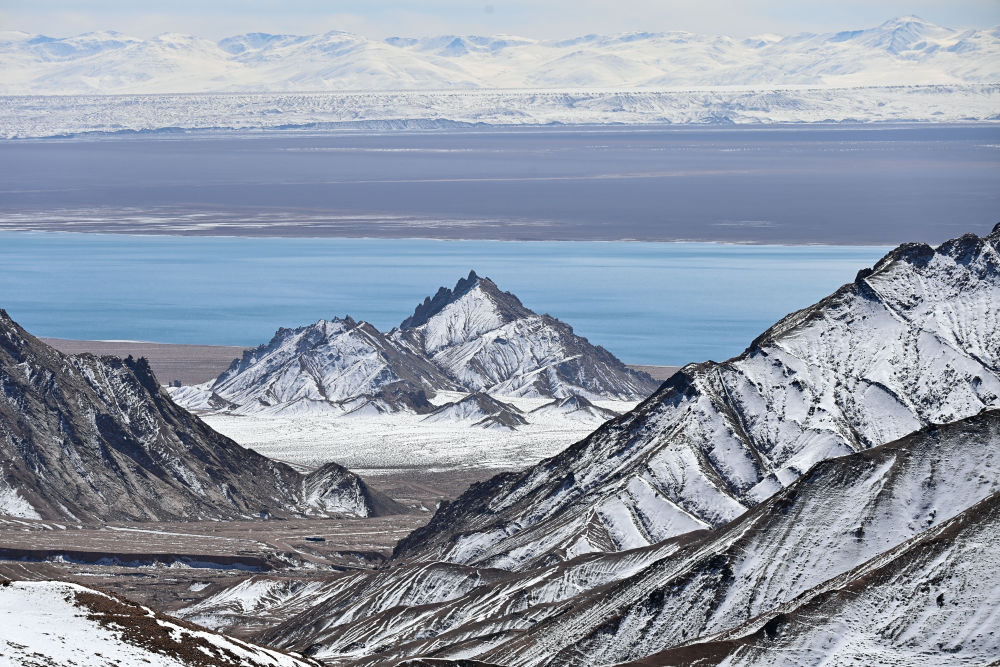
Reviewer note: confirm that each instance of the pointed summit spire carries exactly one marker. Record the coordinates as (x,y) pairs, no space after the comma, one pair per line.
(431,306)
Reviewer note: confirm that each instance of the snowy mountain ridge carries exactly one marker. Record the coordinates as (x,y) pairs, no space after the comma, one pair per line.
(910,342)
(845,518)
(96,438)
(473,339)
(905,50)
(58,623)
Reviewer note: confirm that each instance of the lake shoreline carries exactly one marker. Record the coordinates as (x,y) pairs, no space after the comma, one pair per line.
(194,364)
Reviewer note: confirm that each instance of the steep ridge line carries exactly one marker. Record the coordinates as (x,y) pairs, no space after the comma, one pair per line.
(96,438)
(841,376)
(607,608)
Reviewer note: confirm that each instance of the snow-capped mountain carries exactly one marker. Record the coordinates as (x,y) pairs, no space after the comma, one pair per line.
(321,367)
(96,438)
(473,338)
(928,602)
(906,50)
(57,623)
(908,343)
(576,408)
(479,409)
(488,341)
(820,537)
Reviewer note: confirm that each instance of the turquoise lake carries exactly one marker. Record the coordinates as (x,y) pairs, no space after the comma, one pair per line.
(654,303)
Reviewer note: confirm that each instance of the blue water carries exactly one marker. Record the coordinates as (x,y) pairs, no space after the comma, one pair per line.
(655,303)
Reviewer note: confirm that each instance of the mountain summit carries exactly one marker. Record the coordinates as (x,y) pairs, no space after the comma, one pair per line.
(488,341)
(472,338)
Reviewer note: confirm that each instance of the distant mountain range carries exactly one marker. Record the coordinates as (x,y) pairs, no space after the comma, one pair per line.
(902,51)
(474,339)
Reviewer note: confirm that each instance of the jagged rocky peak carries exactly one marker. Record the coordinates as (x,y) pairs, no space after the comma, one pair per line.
(473,338)
(488,341)
(909,343)
(96,438)
(474,306)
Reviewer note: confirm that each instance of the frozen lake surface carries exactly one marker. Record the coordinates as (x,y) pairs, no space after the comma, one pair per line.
(655,303)
(835,184)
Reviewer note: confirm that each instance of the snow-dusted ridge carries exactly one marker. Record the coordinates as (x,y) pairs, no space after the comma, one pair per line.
(842,520)
(57,623)
(96,438)
(910,342)
(905,50)
(473,338)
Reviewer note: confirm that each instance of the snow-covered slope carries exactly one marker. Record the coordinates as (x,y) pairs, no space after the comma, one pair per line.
(607,608)
(323,367)
(910,342)
(905,50)
(576,408)
(57,623)
(474,338)
(488,341)
(85,437)
(930,602)
(480,410)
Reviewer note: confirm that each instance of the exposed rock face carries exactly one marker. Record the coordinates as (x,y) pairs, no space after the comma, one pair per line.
(473,338)
(488,341)
(911,342)
(95,438)
(880,518)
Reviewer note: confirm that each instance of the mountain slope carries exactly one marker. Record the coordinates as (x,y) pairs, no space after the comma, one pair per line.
(606,608)
(910,342)
(85,437)
(56,623)
(932,601)
(323,367)
(902,51)
(489,342)
(576,408)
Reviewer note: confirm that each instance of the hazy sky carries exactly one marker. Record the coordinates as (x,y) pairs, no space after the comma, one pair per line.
(540,18)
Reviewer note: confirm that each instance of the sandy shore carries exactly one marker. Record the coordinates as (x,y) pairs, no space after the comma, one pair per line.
(192,364)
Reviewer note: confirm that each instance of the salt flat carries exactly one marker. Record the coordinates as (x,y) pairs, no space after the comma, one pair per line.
(381,445)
